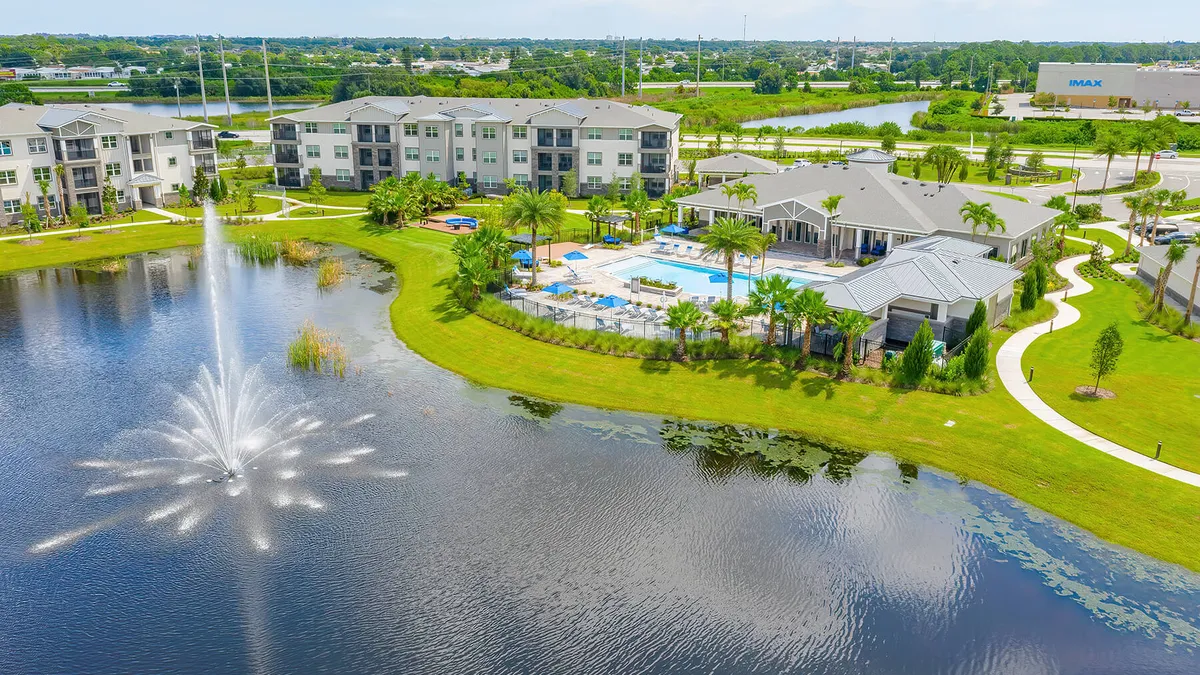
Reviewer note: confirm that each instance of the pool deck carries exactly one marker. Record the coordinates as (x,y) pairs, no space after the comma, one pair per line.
(607,284)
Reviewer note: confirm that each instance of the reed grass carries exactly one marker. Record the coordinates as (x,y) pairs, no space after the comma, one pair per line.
(114,265)
(331,272)
(317,350)
(298,251)
(257,249)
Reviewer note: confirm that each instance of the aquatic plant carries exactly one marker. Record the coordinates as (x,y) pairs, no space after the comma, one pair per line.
(298,251)
(330,272)
(257,249)
(318,351)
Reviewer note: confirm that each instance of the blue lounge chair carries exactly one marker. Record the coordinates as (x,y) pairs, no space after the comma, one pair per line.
(675,249)
(688,251)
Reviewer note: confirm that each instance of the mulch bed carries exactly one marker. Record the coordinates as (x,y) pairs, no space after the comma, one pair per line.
(1087,390)
(31,242)
(79,237)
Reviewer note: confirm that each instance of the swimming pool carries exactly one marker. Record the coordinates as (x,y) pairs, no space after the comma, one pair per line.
(693,278)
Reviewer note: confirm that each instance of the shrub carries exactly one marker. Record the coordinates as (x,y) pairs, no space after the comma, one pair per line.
(918,356)
(975,360)
(1089,212)
(1039,275)
(978,317)
(865,260)
(953,371)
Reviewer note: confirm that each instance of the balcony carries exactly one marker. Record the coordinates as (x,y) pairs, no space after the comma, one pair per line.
(655,140)
(653,168)
(565,138)
(365,135)
(545,138)
(86,183)
(80,155)
(289,177)
(545,162)
(284,132)
(202,140)
(286,157)
(383,134)
(565,162)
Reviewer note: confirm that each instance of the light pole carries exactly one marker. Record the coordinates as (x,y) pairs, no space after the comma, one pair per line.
(178,108)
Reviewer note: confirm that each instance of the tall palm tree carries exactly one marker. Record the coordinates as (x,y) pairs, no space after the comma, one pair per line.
(745,192)
(667,204)
(1146,210)
(729,237)
(493,244)
(730,191)
(1134,204)
(1161,198)
(977,214)
(1108,146)
(535,211)
(765,243)
(851,325)
(1068,221)
(1191,303)
(946,160)
(770,296)
(726,317)
(1166,132)
(830,204)
(1175,254)
(59,172)
(1143,139)
(807,308)
(683,317)
(996,223)
(598,207)
(638,203)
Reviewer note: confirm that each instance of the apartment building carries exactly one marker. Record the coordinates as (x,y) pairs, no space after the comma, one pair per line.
(535,142)
(146,157)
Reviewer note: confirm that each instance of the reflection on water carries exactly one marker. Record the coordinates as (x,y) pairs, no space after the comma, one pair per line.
(495,533)
(872,116)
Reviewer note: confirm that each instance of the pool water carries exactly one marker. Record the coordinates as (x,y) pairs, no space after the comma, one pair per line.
(694,278)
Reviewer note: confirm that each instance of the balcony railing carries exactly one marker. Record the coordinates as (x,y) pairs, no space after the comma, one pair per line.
(80,155)
(85,183)
(284,134)
(564,163)
(653,168)
(203,144)
(655,141)
(287,157)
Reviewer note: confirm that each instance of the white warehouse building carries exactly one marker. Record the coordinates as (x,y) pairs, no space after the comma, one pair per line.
(1089,85)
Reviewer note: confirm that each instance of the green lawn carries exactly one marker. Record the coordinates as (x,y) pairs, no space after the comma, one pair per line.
(977,175)
(338,198)
(1190,206)
(1006,195)
(993,440)
(1114,241)
(265,205)
(1157,380)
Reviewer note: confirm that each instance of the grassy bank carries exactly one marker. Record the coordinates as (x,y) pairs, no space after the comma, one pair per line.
(741,105)
(993,440)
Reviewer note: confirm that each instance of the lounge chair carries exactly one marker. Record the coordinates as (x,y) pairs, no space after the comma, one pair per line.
(622,330)
(688,251)
(662,247)
(651,314)
(712,299)
(602,325)
(509,292)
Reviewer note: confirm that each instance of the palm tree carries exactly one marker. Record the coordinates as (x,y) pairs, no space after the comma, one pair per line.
(1175,253)
(59,172)
(730,191)
(598,207)
(533,210)
(765,243)
(1134,204)
(1160,198)
(1068,221)
(769,297)
(726,317)
(729,237)
(493,244)
(1109,145)
(851,325)
(1191,303)
(1146,210)
(668,206)
(44,188)
(745,192)
(977,214)
(830,204)
(637,202)
(476,271)
(1143,139)
(683,317)
(996,223)
(807,308)
(946,159)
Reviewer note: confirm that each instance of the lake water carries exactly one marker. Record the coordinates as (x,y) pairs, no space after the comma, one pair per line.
(900,113)
(441,527)
(216,108)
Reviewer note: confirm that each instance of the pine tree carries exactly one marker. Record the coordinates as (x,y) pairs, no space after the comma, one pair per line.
(1029,294)
(976,356)
(1040,274)
(918,355)
(1105,353)
(978,317)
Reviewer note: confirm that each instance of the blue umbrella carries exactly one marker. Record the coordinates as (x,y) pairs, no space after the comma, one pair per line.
(718,278)
(674,229)
(574,255)
(557,288)
(611,301)
(524,256)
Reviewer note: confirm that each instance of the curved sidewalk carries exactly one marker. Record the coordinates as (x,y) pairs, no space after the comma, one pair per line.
(1008,363)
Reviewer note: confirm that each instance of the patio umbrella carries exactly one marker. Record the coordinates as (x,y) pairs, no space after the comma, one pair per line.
(612,302)
(575,255)
(557,288)
(523,256)
(673,229)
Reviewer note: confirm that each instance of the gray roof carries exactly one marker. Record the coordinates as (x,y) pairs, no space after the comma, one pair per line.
(736,163)
(948,244)
(21,118)
(870,156)
(594,112)
(876,199)
(920,270)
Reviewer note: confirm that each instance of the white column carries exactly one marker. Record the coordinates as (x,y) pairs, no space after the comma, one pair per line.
(889,242)
(679,213)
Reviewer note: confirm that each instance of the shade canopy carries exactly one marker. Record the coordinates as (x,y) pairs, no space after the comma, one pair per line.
(575,255)
(557,288)
(612,220)
(612,301)
(526,238)
(523,256)
(673,229)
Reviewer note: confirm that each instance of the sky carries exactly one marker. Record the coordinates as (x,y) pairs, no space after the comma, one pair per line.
(870,20)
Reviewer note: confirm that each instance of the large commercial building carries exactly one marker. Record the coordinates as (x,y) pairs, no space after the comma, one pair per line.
(1089,85)
(146,157)
(537,142)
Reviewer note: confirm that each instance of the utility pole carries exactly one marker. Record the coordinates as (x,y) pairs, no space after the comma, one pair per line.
(836,49)
(178,107)
(267,76)
(891,54)
(971,73)
(743,30)
(200,66)
(641,48)
(622,65)
(225,81)
(853,50)
(697,66)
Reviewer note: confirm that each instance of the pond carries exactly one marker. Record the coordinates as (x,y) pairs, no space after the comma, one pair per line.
(216,108)
(417,523)
(900,113)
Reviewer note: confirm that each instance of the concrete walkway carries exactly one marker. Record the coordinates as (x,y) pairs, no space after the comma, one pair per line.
(1008,363)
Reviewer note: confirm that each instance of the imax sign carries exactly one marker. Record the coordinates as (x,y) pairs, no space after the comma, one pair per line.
(1084,83)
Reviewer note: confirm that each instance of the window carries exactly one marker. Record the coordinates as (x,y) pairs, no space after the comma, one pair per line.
(410,130)
(458,130)
(623,183)
(624,159)
(310,127)
(595,182)
(431,131)
(140,165)
(340,128)
(8,177)
(491,182)
(625,135)
(169,135)
(412,154)
(433,155)
(489,157)
(5,148)
(120,196)
(174,187)
(474,154)
(171,161)
(595,158)
(341,152)
(460,154)
(37,146)
(112,169)
(488,133)
(41,173)
(49,199)
(521,178)
(520,132)
(312,151)
(108,142)
(343,175)
(594,134)
(520,157)
(12,205)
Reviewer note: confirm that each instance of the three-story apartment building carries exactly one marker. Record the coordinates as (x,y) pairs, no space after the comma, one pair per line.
(145,157)
(535,142)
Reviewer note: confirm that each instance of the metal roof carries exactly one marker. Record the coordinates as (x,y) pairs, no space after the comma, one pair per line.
(736,163)
(870,156)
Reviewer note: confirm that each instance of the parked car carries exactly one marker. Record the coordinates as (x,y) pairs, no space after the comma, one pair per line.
(116,84)
(1163,228)
(1185,113)
(801,162)
(227,134)
(837,162)
(1166,154)
(1185,237)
